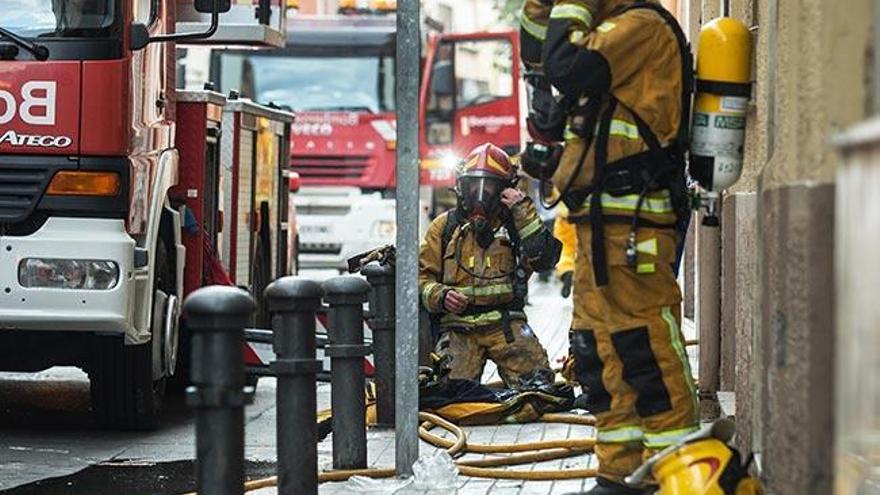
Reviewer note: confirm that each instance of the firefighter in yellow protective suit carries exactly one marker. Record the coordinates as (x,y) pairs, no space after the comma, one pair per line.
(564,231)
(611,139)
(474,264)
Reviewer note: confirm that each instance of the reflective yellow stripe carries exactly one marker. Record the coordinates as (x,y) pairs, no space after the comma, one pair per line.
(628,202)
(538,31)
(606,27)
(677,344)
(573,11)
(624,434)
(531,228)
(486,290)
(474,320)
(666,438)
(648,247)
(568,135)
(426,291)
(646,268)
(624,129)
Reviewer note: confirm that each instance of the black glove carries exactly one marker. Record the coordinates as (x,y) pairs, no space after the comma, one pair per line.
(547,116)
(540,160)
(566,284)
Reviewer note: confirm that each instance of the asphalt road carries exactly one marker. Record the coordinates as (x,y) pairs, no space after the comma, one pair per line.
(48,443)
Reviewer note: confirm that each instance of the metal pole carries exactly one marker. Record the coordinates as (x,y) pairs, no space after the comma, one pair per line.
(217,316)
(709,316)
(346,296)
(293,302)
(407,334)
(381,277)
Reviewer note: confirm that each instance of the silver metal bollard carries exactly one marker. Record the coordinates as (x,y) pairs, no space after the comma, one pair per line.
(382,322)
(217,316)
(292,303)
(346,350)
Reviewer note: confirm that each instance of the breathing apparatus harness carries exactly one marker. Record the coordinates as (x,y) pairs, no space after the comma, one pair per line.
(519,272)
(655,169)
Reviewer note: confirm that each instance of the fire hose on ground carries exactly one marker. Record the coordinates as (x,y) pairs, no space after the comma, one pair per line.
(217,316)
(522,453)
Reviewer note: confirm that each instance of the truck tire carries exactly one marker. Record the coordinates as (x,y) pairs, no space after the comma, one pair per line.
(123,392)
(124,395)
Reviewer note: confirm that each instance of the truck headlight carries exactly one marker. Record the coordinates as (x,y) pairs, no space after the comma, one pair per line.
(384,229)
(68,274)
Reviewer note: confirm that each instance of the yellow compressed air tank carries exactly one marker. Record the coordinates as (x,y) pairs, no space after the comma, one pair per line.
(722,95)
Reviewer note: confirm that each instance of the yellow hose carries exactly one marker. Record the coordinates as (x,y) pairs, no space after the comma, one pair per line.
(517,459)
(546,450)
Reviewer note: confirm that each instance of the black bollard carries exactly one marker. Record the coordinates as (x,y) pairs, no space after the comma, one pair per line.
(346,350)
(217,316)
(381,278)
(292,303)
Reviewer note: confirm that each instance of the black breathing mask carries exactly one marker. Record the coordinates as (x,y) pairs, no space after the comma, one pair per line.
(480,201)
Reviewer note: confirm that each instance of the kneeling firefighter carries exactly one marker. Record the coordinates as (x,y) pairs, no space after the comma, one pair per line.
(474,264)
(612,139)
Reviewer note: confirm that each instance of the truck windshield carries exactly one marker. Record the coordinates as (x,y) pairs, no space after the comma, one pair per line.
(58,18)
(308,83)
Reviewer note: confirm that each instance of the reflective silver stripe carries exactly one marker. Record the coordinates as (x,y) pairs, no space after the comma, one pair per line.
(486,290)
(539,31)
(624,434)
(573,11)
(666,438)
(629,202)
(531,228)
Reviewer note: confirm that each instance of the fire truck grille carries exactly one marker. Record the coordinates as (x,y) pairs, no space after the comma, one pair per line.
(329,167)
(20,190)
(320,248)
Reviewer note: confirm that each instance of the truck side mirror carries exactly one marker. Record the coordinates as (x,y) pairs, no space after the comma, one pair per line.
(443,78)
(140,34)
(207,6)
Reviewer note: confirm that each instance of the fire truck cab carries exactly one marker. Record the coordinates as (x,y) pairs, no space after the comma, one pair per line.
(93,258)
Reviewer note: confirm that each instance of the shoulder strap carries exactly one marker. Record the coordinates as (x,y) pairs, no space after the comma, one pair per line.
(687,71)
(448,229)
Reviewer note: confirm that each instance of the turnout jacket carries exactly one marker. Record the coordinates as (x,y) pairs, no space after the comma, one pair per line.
(591,50)
(444,268)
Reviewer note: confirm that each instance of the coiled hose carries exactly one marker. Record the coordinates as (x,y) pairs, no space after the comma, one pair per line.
(522,453)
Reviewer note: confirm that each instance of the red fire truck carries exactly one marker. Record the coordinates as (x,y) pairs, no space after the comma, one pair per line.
(337,74)
(119,194)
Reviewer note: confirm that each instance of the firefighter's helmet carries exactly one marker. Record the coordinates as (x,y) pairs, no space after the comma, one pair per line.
(482,176)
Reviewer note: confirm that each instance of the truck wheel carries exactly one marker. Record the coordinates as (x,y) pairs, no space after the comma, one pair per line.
(124,395)
(123,392)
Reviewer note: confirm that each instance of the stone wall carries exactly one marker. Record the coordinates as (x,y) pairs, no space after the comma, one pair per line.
(811,73)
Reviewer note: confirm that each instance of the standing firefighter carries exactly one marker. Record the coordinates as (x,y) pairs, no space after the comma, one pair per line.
(612,143)
(473,269)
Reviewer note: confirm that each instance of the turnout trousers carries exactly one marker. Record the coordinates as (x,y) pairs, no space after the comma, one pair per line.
(629,352)
(470,350)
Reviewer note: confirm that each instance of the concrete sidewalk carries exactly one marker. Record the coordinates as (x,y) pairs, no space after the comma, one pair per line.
(550,317)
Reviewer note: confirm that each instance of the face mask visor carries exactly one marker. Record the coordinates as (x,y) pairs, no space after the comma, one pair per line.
(482,196)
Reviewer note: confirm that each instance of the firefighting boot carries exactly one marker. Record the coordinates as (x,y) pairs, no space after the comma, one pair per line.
(607,487)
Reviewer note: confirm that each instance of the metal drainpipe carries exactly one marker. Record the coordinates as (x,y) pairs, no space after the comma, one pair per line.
(708,316)
(406,285)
